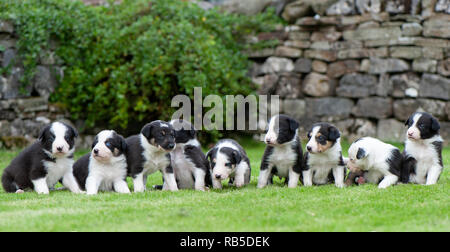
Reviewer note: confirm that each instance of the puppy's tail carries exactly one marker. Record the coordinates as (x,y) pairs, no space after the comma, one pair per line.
(8,183)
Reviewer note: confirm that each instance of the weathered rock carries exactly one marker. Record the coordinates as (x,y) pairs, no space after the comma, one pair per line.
(248,7)
(362,128)
(277,65)
(302,44)
(397,6)
(31,104)
(368,25)
(436,107)
(447,110)
(424,65)
(294,10)
(411,29)
(339,68)
(443,67)
(427,8)
(295,108)
(342,45)
(342,7)
(432,53)
(403,108)
(321,55)
(391,130)
(6,26)
(368,6)
(45,82)
(9,57)
(405,85)
(356,85)
(437,27)
(11,87)
(406,52)
(321,45)
(319,66)
(298,35)
(390,42)
(445,131)
(267,84)
(283,51)
(326,36)
(443,6)
(317,85)
(289,86)
(378,65)
(329,106)
(262,53)
(373,33)
(362,53)
(373,107)
(434,86)
(431,42)
(7,41)
(384,87)
(303,65)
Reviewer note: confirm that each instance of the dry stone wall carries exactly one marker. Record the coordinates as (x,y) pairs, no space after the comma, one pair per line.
(365,71)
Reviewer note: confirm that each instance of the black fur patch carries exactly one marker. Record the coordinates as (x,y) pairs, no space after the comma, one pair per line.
(160,133)
(361,153)
(395,162)
(427,125)
(287,129)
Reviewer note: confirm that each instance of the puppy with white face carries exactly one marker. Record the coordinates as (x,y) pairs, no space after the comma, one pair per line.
(423,150)
(283,155)
(228,160)
(323,159)
(380,162)
(105,167)
(44,163)
(149,152)
(190,165)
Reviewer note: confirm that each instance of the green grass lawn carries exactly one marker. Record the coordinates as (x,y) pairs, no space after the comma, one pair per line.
(275,208)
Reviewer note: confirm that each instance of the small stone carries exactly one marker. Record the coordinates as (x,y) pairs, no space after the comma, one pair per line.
(317,85)
(411,29)
(319,66)
(424,65)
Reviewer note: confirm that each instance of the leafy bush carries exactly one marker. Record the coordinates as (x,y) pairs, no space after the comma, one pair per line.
(124,63)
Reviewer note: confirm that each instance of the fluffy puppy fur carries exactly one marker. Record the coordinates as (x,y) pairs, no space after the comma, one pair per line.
(423,150)
(105,167)
(149,152)
(323,159)
(380,162)
(189,163)
(44,163)
(229,160)
(283,155)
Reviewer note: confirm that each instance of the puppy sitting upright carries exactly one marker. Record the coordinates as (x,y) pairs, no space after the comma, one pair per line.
(423,150)
(149,152)
(378,161)
(190,165)
(229,160)
(44,163)
(105,168)
(283,155)
(323,161)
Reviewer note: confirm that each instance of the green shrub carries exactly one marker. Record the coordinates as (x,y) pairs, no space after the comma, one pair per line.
(124,63)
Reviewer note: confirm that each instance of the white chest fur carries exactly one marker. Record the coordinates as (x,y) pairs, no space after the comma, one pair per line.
(108,173)
(321,164)
(283,158)
(182,167)
(426,156)
(155,159)
(56,170)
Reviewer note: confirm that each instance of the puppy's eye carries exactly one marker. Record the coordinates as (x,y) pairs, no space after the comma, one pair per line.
(108,144)
(228,164)
(421,126)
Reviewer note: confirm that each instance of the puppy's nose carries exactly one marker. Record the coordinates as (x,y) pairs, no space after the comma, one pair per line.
(95,151)
(171,145)
(59,148)
(218,176)
(309,148)
(410,133)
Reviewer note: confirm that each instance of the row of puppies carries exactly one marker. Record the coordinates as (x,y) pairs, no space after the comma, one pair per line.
(173,149)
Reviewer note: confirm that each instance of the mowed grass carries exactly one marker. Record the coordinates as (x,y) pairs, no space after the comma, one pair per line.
(275,208)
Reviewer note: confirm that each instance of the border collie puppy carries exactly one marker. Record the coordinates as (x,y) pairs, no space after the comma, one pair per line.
(323,159)
(105,168)
(380,162)
(189,163)
(149,152)
(423,150)
(229,160)
(44,163)
(283,155)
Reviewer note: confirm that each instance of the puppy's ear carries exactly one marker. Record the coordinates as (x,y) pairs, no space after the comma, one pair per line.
(333,133)
(361,153)
(42,133)
(210,153)
(409,121)
(123,144)
(147,131)
(74,131)
(293,124)
(435,126)
(309,134)
(236,156)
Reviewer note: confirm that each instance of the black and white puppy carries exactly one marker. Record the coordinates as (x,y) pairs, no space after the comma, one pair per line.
(283,155)
(105,167)
(423,150)
(323,159)
(149,152)
(44,163)
(380,162)
(229,160)
(189,163)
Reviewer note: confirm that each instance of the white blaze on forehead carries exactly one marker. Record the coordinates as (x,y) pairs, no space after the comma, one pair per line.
(413,129)
(222,159)
(312,142)
(272,133)
(104,135)
(103,151)
(59,130)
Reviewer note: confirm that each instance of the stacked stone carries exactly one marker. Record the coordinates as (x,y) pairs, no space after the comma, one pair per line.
(365,73)
(24,108)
